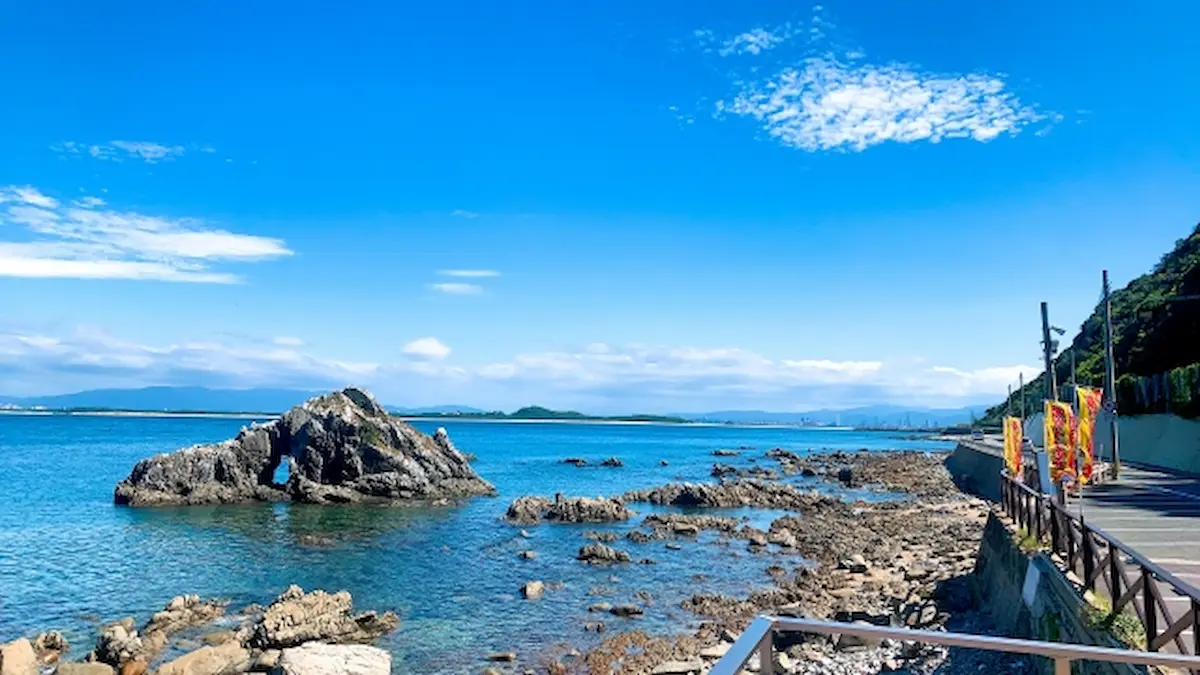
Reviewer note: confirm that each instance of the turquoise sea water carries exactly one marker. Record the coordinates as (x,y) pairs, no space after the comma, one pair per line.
(70,559)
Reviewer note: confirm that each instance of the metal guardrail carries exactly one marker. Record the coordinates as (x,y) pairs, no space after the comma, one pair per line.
(759,637)
(1094,555)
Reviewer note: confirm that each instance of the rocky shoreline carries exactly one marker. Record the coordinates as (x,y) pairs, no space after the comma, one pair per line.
(905,559)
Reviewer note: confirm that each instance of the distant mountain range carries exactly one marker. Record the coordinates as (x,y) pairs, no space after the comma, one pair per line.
(202,399)
(866,416)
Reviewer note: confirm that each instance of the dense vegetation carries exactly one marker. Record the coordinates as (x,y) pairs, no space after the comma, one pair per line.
(1156,342)
(536,412)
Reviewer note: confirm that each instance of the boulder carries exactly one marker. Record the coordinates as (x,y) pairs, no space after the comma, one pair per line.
(505,657)
(118,643)
(296,617)
(134,668)
(18,658)
(528,555)
(339,447)
(84,669)
(316,658)
(613,462)
(230,657)
(626,611)
(50,646)
(597,553)
(532,590)
(184,611)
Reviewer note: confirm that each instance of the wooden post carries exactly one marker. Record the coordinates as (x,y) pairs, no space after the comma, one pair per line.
(1150,608)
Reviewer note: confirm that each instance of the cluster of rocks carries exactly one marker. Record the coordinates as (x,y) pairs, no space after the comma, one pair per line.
(731,494)
(922,474)
(340,447)
(530,510)
(299,633)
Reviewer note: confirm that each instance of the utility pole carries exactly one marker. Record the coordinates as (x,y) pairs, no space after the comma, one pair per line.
(1047,346)
(1110,377)
(1021,386)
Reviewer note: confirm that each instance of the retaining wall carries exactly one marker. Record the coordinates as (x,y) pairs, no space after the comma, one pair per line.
(1029,597)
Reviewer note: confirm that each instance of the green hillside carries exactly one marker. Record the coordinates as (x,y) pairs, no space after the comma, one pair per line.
(1156,331)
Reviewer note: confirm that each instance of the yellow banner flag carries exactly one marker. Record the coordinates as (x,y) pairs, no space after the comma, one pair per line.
(1059,432)
(1012,445)
(1089,407)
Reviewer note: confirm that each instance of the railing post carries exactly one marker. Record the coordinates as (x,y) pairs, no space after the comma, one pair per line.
(1055,529)
(1114,571)
(1089,563)
(1037,517)
(1062,666)
(1195,628)
(766,654)
(1149,607)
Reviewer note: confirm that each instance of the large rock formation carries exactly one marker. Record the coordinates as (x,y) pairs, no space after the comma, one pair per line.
(341,447)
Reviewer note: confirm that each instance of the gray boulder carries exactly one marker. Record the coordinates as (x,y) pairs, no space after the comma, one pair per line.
(597,554)
(340,447)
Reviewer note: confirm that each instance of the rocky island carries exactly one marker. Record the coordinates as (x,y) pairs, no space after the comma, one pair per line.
(340,447)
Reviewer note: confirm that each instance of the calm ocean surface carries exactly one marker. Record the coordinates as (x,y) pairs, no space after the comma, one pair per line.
(70,559)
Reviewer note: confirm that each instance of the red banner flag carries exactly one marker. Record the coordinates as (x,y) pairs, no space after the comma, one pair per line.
(1059,439)
(1089,407)
(1012,445)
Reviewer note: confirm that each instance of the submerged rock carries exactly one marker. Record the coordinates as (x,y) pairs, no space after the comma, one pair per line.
(338,447)
(297,617)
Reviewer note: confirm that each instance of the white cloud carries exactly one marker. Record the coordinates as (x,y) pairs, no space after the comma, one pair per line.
(87,242)
(455,288)
(470,274)
(825,104)
(287,341)
(755,41)
(461,213)
(596,376)
(146,151)
(90,202)
(427,348)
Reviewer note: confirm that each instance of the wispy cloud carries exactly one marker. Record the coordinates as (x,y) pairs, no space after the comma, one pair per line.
(288,341)
(755,41)
(611,377)
(826,104)
(470,274)
(145,151)
(84,241)
(427,348)
(457,288)
(461,213)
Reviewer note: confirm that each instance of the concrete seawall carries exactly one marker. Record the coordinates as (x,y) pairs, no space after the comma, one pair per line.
(1029,597)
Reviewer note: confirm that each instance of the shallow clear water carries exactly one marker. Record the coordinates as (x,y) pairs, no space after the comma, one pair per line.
(70,559)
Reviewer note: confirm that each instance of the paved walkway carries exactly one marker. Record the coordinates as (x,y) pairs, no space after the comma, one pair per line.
(1156,514)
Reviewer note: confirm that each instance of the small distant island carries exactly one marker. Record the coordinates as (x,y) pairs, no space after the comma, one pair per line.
(537,412)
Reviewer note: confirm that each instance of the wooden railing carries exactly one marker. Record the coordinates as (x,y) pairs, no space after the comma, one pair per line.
(1132,582)
(759,638)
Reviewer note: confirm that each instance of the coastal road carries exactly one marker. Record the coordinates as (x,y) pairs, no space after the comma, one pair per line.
(1157,514)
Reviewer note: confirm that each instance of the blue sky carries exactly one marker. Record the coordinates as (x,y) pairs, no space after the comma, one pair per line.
(629,206)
